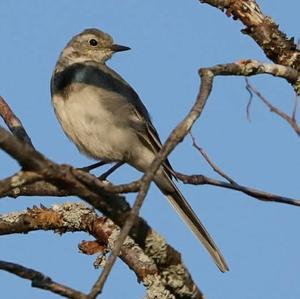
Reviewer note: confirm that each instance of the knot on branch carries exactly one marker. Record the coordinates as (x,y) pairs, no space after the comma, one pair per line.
(247,11)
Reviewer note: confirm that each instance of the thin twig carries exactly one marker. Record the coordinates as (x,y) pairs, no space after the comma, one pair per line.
(295,109)
(289,119)
(39,280)
(13,122)
(210,162)
(249,102)
(198,179)
(204,180)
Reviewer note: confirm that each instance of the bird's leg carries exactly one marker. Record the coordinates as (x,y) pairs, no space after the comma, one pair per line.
(105,175)
(93,166)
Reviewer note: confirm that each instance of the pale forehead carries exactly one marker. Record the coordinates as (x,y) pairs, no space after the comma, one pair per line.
(94,33)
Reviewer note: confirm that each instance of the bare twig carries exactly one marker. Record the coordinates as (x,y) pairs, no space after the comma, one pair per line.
(39,280)
(289,119)
(199,179)
(204,180)
(295,109)
(209,161)
(24,153)
(13,122)
(249,103)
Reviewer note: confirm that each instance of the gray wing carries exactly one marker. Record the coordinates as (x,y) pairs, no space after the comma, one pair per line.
(147,132)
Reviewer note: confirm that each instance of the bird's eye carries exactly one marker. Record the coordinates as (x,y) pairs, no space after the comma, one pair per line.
(93,42)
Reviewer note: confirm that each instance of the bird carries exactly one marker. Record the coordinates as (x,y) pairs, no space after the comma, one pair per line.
(107,121)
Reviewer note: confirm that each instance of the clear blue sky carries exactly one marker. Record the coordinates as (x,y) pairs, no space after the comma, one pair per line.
(170,40)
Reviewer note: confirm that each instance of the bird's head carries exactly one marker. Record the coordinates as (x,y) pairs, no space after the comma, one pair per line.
(90,45)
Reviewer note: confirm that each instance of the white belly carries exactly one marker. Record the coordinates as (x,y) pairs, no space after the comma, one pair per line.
(92,127)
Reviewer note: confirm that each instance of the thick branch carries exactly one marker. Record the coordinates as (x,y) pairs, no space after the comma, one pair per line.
(146,263)
(28,183)
(40,188)
(11,184)
(251,67)
(265,32)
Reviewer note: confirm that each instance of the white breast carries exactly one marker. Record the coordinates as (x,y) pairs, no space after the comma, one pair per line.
(92,127)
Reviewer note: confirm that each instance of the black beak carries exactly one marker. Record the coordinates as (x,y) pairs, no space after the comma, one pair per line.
(119,48)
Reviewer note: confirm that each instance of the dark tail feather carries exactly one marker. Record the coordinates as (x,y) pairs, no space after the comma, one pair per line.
(190,218)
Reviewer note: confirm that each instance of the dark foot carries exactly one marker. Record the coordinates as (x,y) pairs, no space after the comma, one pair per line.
(107,173)
(93,166)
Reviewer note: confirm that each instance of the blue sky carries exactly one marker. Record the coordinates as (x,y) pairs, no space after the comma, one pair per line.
(170,40)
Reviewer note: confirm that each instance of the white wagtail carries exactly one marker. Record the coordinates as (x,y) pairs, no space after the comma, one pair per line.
(105,118)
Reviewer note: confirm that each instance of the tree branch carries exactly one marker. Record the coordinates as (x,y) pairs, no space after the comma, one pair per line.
(85,185)
(264,31)
(63,177)
(291,120)
(39,280)
(203,180)
(149,264)
(208,160)
(198,179)
(18,180)
(13,122)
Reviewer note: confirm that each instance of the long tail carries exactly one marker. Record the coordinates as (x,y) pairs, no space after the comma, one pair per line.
(190,218)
